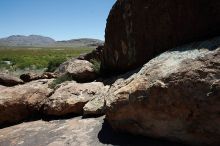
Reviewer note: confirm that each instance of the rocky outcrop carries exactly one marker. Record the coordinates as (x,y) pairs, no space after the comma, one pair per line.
(71,97)
(19,102)
(7,80)
(37,99)
(138,30)
(174,96)
(79,70)
(32,76)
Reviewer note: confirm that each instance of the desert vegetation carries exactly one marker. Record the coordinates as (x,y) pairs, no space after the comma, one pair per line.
(96,65)
(59,80)
(23,58)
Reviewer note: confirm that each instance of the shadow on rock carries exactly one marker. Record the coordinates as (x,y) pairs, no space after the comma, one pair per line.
(63,117)
(36,116)
(108,136)
(211,44)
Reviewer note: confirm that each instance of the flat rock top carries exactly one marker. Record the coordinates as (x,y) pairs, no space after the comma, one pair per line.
(70,132)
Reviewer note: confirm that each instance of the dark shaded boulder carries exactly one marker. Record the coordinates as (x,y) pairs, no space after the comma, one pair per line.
(94,55)
(138,30)
(33,76)
(7,80)
(175,96)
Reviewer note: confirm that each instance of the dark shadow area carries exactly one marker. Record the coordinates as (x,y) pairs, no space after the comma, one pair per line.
(210,44)
(37,116)
(108,136)
(64,117)
(2,126)
(92,116)
(110,78)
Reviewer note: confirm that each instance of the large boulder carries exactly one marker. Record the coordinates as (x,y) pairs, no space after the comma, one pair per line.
(175,96)
(71,97)
(7,80)
(20,102)
(137,30)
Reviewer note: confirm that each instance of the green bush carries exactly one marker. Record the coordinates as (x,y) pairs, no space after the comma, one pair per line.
(54,64)
(96,65)
(59,80)
(40,58)
(4,65)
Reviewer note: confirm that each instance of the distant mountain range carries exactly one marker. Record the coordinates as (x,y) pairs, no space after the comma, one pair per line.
(42,41)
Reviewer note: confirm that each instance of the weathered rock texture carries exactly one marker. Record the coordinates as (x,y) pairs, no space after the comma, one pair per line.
(137,30)
(71,97)
(79,70)
(97,105)
(19,102)
(175,96)
(71,132)
(8,80)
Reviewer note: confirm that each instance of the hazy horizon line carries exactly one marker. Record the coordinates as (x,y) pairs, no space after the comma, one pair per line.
(2,37)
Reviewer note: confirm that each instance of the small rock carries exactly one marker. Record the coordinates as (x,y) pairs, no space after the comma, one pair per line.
(7,80)
(81,70)
(96,106)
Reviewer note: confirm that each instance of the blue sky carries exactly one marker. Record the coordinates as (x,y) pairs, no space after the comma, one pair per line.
(59,19)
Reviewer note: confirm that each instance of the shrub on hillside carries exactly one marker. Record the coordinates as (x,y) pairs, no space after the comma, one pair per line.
(96,65)
(54,64)
(59,80)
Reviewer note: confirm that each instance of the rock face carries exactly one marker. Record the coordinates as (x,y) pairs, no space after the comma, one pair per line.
(7,80)
(71,97)
(137,30)
(79,70)
(19,102)
(175,96)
